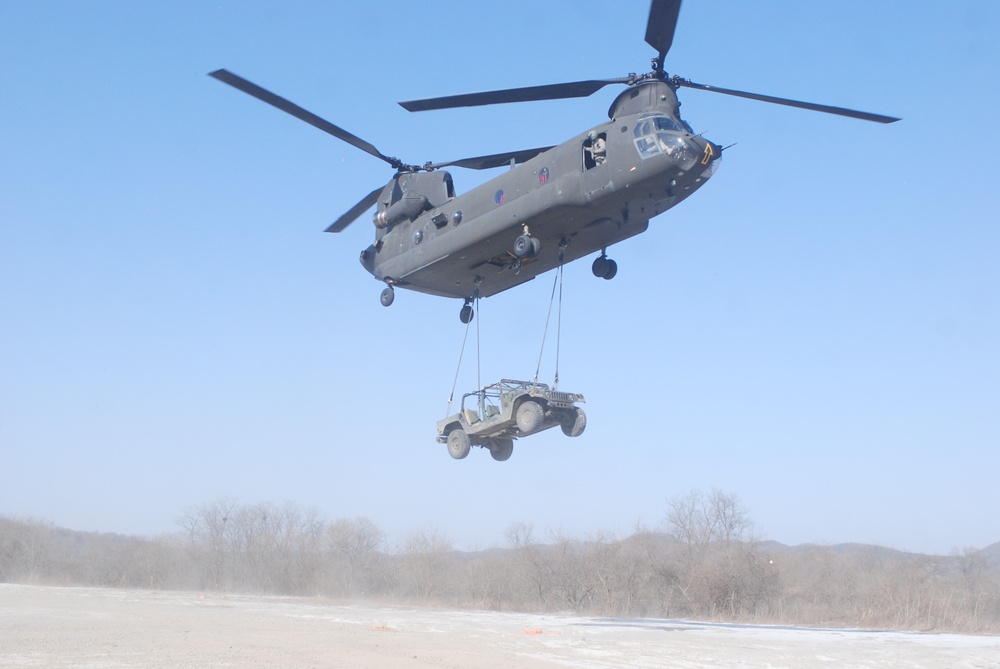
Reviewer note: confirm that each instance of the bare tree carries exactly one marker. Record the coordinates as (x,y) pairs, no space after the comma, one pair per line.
(698,520)
(722,572)
(426,564)
(489,579)
(355,545)
(622,572)
(205,527)
(25,549)
(574,581)
(531,583)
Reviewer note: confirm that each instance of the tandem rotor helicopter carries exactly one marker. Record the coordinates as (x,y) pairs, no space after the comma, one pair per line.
(556,203)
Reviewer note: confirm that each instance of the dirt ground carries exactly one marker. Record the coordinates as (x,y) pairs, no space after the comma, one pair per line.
(104,628)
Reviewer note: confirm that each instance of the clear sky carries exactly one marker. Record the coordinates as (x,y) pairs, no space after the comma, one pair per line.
(817,330)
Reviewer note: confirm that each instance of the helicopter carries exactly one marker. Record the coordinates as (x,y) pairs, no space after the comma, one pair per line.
(555,204)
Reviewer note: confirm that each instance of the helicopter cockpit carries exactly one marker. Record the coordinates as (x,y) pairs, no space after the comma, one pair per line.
(657,134)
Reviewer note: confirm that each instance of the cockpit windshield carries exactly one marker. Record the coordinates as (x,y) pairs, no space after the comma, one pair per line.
(650,127)
(657,134)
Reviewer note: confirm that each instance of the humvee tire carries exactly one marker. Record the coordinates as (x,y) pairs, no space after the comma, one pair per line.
(458,443)
(502,450)
(573,424)
(529,416)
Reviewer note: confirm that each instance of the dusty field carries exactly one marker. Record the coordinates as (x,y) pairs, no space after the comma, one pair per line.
(103,629)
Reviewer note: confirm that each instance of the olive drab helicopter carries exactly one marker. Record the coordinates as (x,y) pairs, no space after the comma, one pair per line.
(555,204)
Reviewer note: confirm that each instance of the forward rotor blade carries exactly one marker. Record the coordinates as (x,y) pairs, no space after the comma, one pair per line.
(573,89)
(355,211)
(661,26)
(298,112)
(495,160)
(828,109)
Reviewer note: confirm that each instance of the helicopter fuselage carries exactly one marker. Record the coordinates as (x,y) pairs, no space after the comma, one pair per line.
(556,204)
(577,198)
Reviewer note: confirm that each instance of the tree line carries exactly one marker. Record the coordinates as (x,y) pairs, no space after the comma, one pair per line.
(705,562)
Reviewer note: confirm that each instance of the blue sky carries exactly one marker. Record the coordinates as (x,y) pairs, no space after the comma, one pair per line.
(816,330)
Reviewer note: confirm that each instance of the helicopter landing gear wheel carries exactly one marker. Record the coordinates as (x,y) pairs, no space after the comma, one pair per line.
(604,267)
(526,246)
(466,314)
(522,246)
(388,295)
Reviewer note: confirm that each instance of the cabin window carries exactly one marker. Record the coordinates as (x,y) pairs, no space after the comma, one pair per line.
(595,150)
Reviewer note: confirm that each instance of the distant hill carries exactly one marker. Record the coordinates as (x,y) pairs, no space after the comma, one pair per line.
(992,555)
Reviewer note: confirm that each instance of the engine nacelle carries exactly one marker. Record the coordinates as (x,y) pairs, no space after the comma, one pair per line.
(406,209)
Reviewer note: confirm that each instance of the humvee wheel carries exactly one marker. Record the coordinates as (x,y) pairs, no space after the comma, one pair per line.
(502,450)
(574,423)
(529,416)
(458,443)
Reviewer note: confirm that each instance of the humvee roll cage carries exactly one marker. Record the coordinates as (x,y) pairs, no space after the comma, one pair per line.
(495,391)
(492,395)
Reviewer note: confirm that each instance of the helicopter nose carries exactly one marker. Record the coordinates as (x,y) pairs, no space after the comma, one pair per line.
(711,153)
(711,156)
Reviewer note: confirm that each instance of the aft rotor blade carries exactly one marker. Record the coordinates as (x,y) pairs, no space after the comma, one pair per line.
(355,211)
(298,112)
(828,109)
(495,160)
(661,26)
(573,89)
